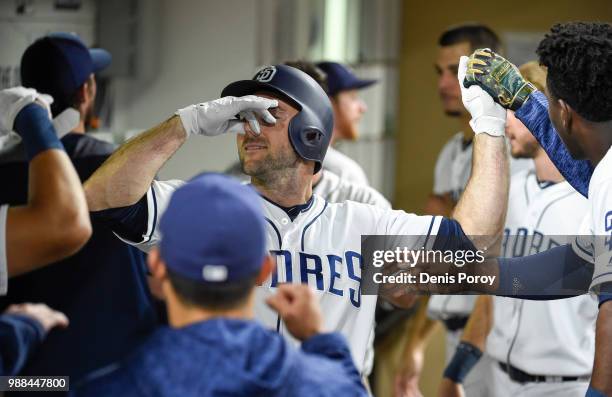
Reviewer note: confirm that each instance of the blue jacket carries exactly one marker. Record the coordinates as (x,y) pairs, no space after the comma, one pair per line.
(19,336)
(229,357)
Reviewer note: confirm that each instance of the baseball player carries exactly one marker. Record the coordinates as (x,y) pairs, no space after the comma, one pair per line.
(343,90)
(56,209)
(213,347)
(281,145)
(451,174)
(537,348)
(578,88)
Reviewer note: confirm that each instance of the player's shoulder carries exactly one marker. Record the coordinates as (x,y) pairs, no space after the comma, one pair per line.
(335,189)
(344,166)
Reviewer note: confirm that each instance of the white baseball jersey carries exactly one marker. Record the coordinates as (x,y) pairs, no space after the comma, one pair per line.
(556,337)
(344,166)
(334,189)
(451,174)
(320,247)
(3,261)
(595,241)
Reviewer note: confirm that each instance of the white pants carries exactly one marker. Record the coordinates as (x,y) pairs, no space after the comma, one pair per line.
(499,384)
(475,383)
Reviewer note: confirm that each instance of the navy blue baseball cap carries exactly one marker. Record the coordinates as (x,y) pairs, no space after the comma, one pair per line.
(213,230)
(58,64)
(341,78)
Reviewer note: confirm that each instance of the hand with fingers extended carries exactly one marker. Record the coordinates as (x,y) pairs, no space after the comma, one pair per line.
(43,314)
(499,78)
(299,309)
(226,114)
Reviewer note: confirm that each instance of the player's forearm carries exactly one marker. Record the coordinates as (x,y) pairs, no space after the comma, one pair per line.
(421,327)
(479,324)
(419,330)
(481,210)
(56,210)
(127,175)
(602,369)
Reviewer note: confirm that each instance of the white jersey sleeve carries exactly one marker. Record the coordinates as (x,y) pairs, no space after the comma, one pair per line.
(158,198)
(3,260)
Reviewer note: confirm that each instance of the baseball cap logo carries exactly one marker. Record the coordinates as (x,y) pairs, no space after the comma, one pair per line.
(214,273)
(265,75)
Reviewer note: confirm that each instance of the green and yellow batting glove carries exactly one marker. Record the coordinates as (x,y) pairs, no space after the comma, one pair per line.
(499,78)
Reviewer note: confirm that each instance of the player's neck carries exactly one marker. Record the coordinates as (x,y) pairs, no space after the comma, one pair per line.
(545,169)
(182,315)
(286,188)
(599,142)
(80,128)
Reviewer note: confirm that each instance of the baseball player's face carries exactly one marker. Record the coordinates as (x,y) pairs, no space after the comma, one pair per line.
(522,143)
(348,110)
(270,150)
(448,85)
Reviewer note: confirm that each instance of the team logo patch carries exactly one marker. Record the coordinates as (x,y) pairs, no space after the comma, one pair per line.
(266,74)
(214,273)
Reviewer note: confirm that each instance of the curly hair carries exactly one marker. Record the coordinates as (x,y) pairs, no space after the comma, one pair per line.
(578,56)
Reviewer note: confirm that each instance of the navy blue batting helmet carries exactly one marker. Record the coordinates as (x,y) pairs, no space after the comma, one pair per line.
(310,130)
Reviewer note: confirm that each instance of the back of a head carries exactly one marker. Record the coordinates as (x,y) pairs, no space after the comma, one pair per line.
(578,58)
(534,73)
(58,64)
(476,34)
(213,241)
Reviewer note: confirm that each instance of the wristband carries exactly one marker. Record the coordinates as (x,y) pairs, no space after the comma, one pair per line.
(591,392)
(33,125)
(464,359)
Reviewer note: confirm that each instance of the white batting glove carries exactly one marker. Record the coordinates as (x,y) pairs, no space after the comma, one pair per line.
(12,100)
(487,116)
(219,116)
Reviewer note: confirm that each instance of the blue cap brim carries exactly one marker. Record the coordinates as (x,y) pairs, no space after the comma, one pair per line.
(358,84)
(100,58)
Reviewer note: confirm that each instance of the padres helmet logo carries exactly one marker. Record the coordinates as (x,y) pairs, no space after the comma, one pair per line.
(266,74)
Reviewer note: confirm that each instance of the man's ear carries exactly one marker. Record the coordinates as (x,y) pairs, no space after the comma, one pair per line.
(82,93)
(267,267)
(157,267)
(567,116)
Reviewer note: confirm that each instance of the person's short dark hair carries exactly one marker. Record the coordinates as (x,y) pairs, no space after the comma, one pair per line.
(210,296)
(578,56)
(476,34)
(312,70)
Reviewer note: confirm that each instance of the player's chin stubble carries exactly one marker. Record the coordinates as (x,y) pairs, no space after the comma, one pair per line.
(267,168)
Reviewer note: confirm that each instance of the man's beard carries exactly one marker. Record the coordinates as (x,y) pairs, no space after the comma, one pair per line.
(453,113)
(270,166)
